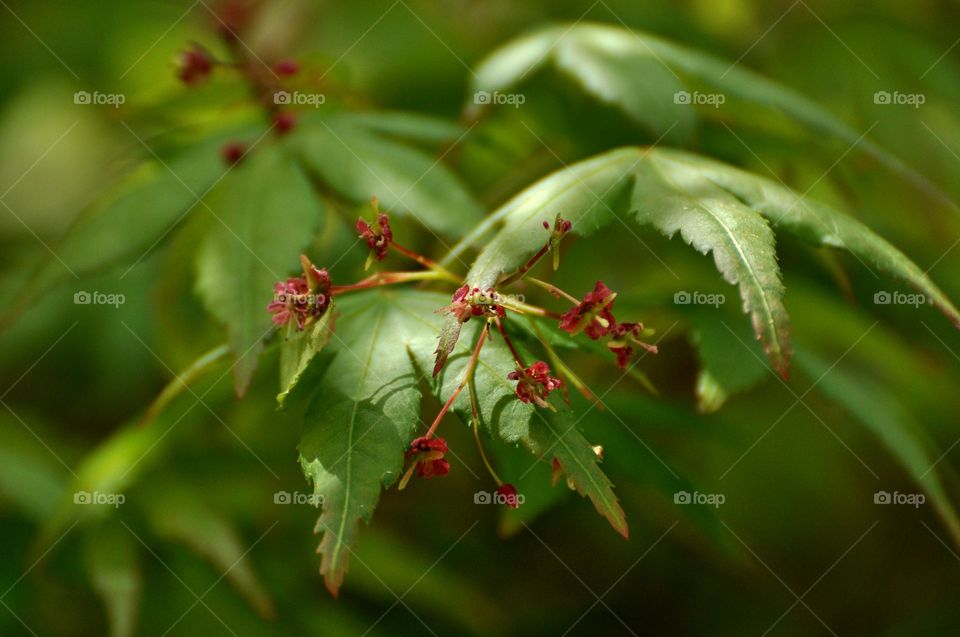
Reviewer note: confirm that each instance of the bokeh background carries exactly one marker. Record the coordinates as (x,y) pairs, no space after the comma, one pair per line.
(798,547)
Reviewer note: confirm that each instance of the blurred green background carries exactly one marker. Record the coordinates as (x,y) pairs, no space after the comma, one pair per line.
(797,548)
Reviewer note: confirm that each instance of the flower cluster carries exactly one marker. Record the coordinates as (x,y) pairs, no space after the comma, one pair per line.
(378,236)
(469,302)
(624,337)
(426,459)
(534,383)
(301,299)
(594,317)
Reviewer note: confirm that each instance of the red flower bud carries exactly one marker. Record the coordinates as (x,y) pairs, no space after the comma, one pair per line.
(284,121)
(508,495)
(232,152)
(194,65)
(286,67)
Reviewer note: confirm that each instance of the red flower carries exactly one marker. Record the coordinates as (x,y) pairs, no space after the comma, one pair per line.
(427,456)
(592,316)
(507,494)
(625,336)
(302,298)
(194,65)
(378,237)
(535,383)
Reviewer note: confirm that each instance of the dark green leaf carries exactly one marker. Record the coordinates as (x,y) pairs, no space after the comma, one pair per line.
(364,413)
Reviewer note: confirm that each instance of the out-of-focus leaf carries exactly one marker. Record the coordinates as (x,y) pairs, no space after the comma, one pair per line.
(30,475)
(412,126)
(877,408)
(614,70)
(178,514)
(532,480)
(118,461)
(400,565)
(728,364)
(114,569)
(644,75)
(265,214)
(357,163)
(136,215)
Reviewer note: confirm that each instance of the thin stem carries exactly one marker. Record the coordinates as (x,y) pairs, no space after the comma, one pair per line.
(554,290)
(386,278)
(525,308)
(425,262)
(532,261)
(475,418)
(506,339)
(463,383)
(183,380)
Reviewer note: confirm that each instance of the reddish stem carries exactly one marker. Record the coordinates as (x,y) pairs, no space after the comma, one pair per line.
(383,278)
(506,339)
(463,383)
(532,261)
(419,258)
